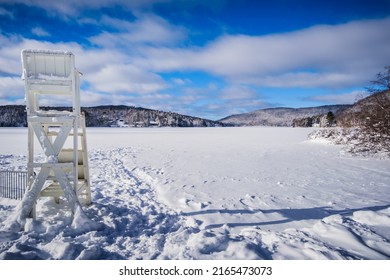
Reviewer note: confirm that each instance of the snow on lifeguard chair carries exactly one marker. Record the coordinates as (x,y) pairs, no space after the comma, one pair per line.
(64,171)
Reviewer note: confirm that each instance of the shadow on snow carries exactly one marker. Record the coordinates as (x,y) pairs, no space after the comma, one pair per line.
(315,213)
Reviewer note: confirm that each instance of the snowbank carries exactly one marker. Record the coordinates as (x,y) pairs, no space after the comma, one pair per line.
(354,141)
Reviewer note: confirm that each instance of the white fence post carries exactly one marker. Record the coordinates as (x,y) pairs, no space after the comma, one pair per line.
(13,184)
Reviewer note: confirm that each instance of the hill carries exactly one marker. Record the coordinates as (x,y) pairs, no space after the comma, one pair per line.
(103,116)
(366,107)
(280,116)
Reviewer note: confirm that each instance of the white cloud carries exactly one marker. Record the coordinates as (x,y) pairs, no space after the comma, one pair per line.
(236,99)
(181,82)
(104,70)
(216,110)
(327,56)
(235,92)
(156,101)
(147,29)
(307,79)
(125,78)
(11,47)
(343,98)
(39,31)
(91,61)
(11,88)
(93,98)
(76,7)
(216,102)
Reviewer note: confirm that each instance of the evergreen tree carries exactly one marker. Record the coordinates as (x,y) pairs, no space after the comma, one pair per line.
(330,118)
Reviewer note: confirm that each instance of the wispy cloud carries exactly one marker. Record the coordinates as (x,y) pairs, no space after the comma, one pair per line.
(181,82)
(39,31)
(4,12)
(147,29)
(75,7)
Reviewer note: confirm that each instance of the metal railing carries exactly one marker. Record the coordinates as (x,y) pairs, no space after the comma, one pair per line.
(13,184)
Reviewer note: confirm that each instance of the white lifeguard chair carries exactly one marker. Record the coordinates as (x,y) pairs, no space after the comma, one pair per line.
(64,172)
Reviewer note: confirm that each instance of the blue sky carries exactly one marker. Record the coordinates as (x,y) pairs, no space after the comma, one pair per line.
(203,58)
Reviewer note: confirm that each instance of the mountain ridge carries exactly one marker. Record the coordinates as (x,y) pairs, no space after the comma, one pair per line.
(280,116)
(107,115)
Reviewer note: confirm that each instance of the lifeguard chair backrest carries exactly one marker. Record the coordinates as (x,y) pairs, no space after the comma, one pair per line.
(48,64)
(49,72)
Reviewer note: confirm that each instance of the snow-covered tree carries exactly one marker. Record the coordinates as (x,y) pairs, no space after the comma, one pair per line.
(375,116)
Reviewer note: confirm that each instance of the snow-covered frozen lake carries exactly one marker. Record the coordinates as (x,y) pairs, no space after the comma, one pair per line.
(211,193)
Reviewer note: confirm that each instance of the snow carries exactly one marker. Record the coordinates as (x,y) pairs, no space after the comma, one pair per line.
(354,141)
(209,193)
(46,51)
(43,78)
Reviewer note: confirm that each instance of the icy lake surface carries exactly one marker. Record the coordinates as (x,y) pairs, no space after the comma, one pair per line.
(210,193)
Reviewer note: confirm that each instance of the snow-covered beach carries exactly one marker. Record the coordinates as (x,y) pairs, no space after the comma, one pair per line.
(211,193)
